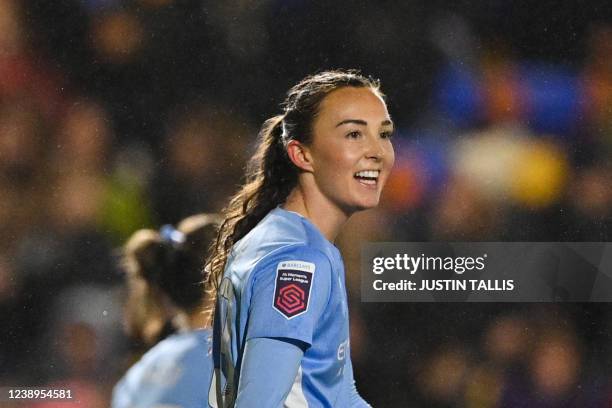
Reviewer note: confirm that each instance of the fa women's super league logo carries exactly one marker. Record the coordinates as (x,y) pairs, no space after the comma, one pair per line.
(292,287)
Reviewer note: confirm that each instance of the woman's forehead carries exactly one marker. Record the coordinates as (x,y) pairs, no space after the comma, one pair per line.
(353,103)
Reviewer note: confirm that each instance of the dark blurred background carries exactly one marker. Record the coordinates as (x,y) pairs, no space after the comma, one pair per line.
(122,114)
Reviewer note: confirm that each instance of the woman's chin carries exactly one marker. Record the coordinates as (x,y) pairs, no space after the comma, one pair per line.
(366,205)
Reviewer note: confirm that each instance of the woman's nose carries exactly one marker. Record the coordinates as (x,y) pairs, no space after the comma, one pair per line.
(375,150)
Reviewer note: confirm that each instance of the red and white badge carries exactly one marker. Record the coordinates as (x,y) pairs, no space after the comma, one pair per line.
(292,287)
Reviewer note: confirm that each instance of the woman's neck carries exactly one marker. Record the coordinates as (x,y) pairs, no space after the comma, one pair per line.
(199,318)
(327,217)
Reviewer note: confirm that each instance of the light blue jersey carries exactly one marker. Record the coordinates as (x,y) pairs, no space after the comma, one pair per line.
(176,372)
(284,280)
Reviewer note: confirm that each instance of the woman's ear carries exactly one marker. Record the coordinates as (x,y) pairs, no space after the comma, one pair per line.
(299,155)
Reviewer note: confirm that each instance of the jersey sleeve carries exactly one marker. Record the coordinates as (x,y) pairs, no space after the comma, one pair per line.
(289,292)
(262,384)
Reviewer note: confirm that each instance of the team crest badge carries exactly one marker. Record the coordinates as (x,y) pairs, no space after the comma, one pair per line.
(292,287)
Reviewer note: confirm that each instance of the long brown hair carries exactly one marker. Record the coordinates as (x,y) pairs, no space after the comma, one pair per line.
(270,175)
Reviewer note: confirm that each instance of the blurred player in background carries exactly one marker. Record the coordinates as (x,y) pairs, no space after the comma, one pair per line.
(166,301)
(281,335)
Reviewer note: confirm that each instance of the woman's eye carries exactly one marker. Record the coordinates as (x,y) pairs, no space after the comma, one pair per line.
(354,135)
(386,135)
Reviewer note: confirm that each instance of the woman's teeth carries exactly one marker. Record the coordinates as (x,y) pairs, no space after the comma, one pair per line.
(367,176)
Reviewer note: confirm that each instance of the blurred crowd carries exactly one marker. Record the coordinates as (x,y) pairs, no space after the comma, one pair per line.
(122,114)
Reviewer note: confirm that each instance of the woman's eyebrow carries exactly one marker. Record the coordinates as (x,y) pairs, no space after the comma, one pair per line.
(355,121)
(363,122)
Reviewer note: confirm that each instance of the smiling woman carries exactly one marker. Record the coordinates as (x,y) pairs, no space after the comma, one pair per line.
(349,159)
(281,330)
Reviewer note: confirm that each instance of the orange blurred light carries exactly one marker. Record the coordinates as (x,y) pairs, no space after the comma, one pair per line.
(118,36)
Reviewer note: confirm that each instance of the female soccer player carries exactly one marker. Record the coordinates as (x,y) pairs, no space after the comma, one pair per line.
(164,272)
(281,319)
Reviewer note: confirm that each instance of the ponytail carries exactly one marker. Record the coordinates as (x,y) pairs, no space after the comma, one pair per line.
(270,178)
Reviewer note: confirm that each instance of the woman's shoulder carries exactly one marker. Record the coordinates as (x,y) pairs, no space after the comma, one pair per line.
(170,367)
(176,348)
(280,236)
(164,360)
(183,346)
(290,260)
(282,229)
(276,228)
